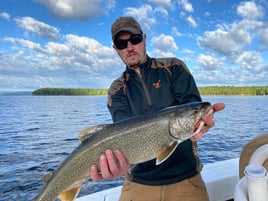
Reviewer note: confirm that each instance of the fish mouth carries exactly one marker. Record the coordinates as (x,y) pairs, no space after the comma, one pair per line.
(200,124)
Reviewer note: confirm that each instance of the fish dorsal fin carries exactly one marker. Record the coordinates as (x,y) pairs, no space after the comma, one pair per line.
(88,132)
(69,195)
(47,177)
(164,155)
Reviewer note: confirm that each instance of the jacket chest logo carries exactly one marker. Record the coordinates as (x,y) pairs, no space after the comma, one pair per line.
(157,84)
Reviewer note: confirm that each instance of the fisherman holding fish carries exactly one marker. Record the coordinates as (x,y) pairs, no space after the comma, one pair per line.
(158,116)
(147,85)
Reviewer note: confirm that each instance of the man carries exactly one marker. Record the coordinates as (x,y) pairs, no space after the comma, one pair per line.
(149,84)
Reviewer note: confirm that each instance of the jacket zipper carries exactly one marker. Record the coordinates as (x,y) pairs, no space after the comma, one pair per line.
(147,95)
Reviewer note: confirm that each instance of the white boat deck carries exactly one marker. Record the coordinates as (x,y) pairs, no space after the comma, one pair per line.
(220,178)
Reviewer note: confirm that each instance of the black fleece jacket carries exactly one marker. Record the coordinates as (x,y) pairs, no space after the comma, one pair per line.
(163,82)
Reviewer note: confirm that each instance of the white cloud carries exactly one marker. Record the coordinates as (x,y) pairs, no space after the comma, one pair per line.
(230,75)
(110,4)
(161,2)
(88,45)
(175,32)
(78,9)
(207,14)
(250,60)
(74,62)
(143,14)
(40,28)
(82,54)
(5,16)
(237,44)
(30,45)
(263,37)
(191,21)
(164,45)
(209,62)
(228,39)
(162,11)
(220,41)
(58,49)
(250,10)
(186,6)
(187,51)
(233,39)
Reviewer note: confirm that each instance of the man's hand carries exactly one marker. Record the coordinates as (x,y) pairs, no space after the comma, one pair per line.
(111,166)
(208,121)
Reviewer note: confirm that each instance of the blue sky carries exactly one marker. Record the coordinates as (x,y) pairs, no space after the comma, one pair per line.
(67,43)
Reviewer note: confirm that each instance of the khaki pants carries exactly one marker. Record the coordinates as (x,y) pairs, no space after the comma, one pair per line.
(192,189)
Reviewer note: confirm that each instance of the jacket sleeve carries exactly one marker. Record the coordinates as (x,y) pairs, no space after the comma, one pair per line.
(183,84)
(118,103)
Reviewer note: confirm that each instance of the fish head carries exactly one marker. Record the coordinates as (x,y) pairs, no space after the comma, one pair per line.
(187,120)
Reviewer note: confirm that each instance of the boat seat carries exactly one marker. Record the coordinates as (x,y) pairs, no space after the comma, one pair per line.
(249,149)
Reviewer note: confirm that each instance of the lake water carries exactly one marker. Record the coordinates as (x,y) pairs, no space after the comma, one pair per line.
(38,132)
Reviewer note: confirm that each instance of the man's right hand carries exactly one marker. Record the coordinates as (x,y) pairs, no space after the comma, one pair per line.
(111,166)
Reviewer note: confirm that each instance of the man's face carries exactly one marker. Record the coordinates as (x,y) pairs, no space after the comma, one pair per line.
(133,54)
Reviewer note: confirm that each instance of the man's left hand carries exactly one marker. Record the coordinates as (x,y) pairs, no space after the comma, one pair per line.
(208,120)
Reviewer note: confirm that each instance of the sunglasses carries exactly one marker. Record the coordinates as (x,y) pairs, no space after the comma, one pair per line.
(134,40)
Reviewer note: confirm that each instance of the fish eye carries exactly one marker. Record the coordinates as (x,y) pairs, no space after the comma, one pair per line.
(195,110)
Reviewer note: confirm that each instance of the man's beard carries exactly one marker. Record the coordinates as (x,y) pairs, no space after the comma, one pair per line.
(135,64)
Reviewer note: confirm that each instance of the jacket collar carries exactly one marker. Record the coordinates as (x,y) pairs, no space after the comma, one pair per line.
(143,67)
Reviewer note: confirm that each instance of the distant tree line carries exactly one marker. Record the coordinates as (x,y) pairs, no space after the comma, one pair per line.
(69,92)
(233,90)
(210,90)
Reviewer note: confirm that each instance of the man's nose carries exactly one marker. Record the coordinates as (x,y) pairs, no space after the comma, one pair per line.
(129,46)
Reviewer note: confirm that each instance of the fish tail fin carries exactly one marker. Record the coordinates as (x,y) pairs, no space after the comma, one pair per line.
(70,194)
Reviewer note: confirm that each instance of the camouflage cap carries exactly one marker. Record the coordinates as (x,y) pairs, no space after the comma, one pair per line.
(128,24)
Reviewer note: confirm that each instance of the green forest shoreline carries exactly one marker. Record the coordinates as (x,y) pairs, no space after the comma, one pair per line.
(208,90)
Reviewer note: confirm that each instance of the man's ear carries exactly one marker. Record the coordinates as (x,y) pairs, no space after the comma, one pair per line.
(115,48)
(117,51)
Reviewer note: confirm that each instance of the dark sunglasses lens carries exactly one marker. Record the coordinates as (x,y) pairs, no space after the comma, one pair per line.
(122,44)
(136,39)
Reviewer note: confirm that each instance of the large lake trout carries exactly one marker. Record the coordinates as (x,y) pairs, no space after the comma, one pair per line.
(141,138)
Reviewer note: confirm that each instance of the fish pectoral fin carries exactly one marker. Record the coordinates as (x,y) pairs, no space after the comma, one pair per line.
(165,154)
(70,194)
